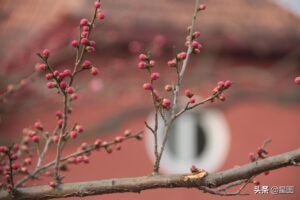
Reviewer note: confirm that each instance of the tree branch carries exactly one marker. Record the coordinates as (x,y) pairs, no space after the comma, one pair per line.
(138,184)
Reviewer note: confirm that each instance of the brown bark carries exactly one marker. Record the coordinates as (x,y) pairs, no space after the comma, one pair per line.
(138,184)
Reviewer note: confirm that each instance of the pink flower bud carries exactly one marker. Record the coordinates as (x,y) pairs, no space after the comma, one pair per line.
(50,85)
(181,56)
(94,71)
(92,43)
(168,88)
(195,44)
(154,76)
(56,73)
(196,34)
(196,51)
(222,97)
(192,100)
(297,80)
(74,43)
(74,96)
(46,53)
(41,67)
(55,138)
(78,159)
(38,125)
(172,63)
(119,139)
(90,49)
(58,114)
(97,143)
(85,159)
(141,65)
(84,34)
(166,103)
(86,64)
(60,122)
(84,41)
(69,90)
(3,149)
(84,22)
(202,7)
(49,76)
(85,28)
(152,63)
(97,4)
(100,15)
(227,84)
(142,57)
(63,84)
(73,134)
(66,72)
(127,132)
(188,93)
(221,84)
(15,166)
(79,128)
(35,139)
(147,86)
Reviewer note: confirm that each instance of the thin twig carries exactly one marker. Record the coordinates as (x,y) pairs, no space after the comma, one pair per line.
(78,153)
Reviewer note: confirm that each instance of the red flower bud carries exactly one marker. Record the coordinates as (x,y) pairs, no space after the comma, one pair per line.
(100,15)
(63,84)
(84,41)
(166,103)
(86,64)
(74,43)
(69,90)
(94,71)
(142,57)
(188,93)
(147,86)
(55,138)
(154,76)
(73,134)
(84,22)
(181,56)
(46,53)
(97,4)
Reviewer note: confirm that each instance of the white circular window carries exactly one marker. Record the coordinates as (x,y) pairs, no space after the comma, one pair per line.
(197,137)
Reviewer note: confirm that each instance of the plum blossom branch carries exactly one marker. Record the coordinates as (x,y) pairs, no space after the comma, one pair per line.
(232,177)
(98,144)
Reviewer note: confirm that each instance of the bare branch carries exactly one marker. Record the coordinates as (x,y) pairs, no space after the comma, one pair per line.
(138,184)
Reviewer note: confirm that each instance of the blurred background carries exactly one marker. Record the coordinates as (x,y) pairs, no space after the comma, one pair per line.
(254,43)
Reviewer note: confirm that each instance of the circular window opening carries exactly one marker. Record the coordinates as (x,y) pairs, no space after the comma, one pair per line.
(201,138)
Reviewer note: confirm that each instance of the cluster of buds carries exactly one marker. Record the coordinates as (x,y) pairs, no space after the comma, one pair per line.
(84,150)
(175,61)
(221,86)
(145,62)
(99,13)
(196,46)
(260,154)
(190,95)
(77,129)
(9,165)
